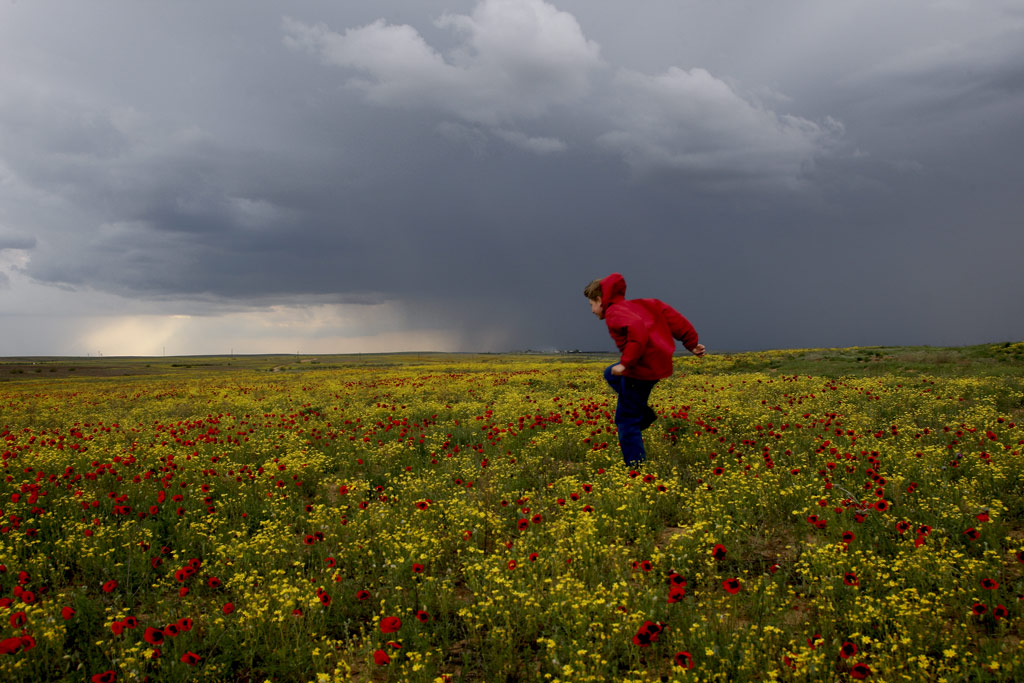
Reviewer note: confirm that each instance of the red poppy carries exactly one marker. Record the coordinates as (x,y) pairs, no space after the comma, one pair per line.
(676,593)
(67,612)
(848,536)
(191,658)
(848,650)
(972,533)
(213,582)
(850,579)
(228,608)
(683,660)
(718,552)
(978,609)
(325,599)
(902,526)
(1000,611)
(153,636)
(417,569)
(130,622)
(676,579)
(422,505)
(983,516)
(381,658)
(105,677)
(881,505)
(9,646)
(362,595)
(185,624)
(648,633)
(732,586)
(989,584)
(171,630)
(109,586)
(523,523)
(117,627)
(1020,556)
(860,671)
(390,624)
(423,616)
(512,564)
(533,557)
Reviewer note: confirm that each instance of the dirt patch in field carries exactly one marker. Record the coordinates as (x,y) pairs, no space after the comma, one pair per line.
(670,532)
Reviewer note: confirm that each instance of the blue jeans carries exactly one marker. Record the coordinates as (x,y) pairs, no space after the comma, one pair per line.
(632,414)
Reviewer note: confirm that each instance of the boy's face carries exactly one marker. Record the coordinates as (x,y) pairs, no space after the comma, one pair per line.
(596,309)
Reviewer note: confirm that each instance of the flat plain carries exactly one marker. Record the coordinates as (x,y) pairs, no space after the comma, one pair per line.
(804,515)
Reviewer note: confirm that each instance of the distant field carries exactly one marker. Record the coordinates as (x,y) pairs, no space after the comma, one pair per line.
(859,361)
(804,515)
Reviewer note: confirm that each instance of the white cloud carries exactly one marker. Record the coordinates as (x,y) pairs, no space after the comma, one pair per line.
(517,59)
(691,121)
(522,59)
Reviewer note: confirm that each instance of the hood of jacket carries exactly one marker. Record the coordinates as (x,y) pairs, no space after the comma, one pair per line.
(613,290)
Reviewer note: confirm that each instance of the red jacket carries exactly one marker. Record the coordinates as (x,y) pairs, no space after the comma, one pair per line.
(645,330)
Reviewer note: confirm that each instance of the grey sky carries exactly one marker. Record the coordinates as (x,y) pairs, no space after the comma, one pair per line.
(261,176)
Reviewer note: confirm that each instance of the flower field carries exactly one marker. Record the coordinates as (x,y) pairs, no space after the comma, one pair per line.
(801,517)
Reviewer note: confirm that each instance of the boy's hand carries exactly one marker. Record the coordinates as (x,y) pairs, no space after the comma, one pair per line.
(698,350)
(618,369)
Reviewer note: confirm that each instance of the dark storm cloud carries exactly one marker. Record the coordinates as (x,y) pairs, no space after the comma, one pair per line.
(477,163)
(16,242)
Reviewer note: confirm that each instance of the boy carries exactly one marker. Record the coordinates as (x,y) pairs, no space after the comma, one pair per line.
(645,331)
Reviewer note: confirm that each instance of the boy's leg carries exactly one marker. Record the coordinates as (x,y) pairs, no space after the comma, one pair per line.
(632,416)
(650,417)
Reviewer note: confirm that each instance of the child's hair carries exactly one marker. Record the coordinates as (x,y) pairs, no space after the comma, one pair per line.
(593,290)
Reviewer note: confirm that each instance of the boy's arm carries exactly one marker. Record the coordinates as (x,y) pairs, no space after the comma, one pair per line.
(635,332)
(681,328)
